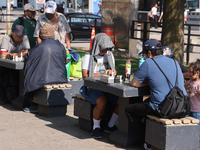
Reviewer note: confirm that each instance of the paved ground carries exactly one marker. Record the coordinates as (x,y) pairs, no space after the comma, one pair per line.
(22,131)
(26,131)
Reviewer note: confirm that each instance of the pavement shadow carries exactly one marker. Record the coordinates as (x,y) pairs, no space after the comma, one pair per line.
(70,125)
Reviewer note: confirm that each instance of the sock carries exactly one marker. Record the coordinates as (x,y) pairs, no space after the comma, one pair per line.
(96,123)
(113,120)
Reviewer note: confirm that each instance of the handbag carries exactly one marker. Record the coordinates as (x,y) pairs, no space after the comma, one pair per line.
(176,104)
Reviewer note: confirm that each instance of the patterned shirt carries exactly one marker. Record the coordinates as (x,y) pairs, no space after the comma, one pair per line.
(63,27)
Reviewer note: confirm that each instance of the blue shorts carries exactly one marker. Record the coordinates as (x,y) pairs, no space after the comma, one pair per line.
(92,95)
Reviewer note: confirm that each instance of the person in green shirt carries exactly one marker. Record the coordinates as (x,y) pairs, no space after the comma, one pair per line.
(28,22)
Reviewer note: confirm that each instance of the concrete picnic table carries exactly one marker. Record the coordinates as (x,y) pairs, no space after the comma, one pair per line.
(124,136)
(15,65)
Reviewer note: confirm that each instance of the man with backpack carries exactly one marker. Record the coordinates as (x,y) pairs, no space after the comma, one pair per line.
(150,74)
(28,22)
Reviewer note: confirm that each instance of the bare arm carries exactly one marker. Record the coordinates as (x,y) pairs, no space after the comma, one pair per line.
(85,73)
(186,75)
(160,18)
(38,40)
(67,40)
(136,83)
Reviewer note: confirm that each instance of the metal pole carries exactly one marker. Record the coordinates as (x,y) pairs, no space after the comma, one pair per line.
(188,44)
(76,5)
(8,16)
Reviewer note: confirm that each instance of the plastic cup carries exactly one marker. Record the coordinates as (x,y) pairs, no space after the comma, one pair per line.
(3,53)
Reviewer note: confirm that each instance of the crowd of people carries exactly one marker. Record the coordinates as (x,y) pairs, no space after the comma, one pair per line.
(43,43)
(38,39)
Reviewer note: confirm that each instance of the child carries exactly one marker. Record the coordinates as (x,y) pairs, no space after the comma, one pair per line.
(194,91)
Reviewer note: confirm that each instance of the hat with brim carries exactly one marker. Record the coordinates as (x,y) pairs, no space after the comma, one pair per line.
(50,7)
(29,7)
(19,30)
(46,32)
(150,44)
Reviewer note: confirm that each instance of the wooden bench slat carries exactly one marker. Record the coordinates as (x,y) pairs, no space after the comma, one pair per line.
(48,87)
(185,121)
(176,121)
(55,86)
(80,96)
(193,120)
(161,120)
(58,86)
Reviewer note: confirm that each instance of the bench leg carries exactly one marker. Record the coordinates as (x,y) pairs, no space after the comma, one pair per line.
(124,136)
(52,111)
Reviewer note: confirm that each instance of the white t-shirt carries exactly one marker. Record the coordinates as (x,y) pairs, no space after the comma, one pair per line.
(101,66)
(154,10)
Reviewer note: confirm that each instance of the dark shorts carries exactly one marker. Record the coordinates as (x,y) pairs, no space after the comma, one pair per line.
(92,95)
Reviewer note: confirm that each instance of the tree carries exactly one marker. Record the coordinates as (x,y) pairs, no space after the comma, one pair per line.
(173,27)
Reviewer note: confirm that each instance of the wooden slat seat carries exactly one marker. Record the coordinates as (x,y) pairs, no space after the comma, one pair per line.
(80,96)
(58,86)
(178,121)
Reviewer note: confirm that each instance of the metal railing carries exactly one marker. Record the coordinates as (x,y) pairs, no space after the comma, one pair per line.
(145,31)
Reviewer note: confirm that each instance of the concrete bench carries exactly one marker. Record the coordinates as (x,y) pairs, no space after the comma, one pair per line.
(172,134)
(84,110)
(52,100)
(76,85)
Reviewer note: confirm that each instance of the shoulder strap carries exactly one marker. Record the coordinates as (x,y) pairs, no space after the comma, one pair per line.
(167,80)
(165,75)
(34,21)
(21,21)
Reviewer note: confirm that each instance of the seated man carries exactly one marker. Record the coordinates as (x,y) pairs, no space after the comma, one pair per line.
(95,63)
(149,74)
(45,64)
(17,42)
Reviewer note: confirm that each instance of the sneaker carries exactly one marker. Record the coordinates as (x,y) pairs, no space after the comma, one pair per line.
(110,130)
(31,109)
(96,133)
(147,146)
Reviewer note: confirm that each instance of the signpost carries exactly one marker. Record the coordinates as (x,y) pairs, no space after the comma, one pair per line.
(39,2)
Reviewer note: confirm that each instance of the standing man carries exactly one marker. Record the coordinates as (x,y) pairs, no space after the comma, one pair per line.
(12,2)
(58,21)
(154,14)
(149,74)
(28,22)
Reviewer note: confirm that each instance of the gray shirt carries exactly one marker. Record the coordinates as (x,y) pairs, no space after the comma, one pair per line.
(63,27)
(9,44)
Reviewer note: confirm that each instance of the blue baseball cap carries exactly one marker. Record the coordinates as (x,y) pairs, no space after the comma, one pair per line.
(167,51)
(151,44)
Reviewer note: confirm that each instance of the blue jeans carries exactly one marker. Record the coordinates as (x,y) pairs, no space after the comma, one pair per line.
(197,116)
(92,95)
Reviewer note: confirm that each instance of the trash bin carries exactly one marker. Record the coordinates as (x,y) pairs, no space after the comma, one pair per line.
(193,18)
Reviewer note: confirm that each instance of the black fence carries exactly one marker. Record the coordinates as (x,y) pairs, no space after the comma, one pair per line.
(145,30)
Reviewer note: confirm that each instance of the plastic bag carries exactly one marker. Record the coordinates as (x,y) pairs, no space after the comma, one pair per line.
(75,69)
(68,64)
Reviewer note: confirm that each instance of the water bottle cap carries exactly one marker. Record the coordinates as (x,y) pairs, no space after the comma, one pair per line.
(128,59)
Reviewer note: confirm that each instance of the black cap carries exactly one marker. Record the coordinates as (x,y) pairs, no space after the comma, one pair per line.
(19,30)
(151,44)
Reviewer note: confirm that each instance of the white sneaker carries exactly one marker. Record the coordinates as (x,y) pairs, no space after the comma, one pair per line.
(147,146)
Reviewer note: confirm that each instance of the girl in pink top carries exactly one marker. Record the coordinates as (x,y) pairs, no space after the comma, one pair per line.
(194,91)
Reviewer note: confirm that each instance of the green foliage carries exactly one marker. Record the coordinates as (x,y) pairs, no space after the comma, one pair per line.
(119,63)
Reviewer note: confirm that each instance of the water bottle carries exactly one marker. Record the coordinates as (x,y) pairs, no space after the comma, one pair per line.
(142,59)
(128,68)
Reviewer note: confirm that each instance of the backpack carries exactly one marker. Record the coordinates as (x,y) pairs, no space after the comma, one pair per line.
(176,104)
(21,20)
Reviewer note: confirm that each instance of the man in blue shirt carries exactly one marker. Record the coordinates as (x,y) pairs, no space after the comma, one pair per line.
(149,74)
